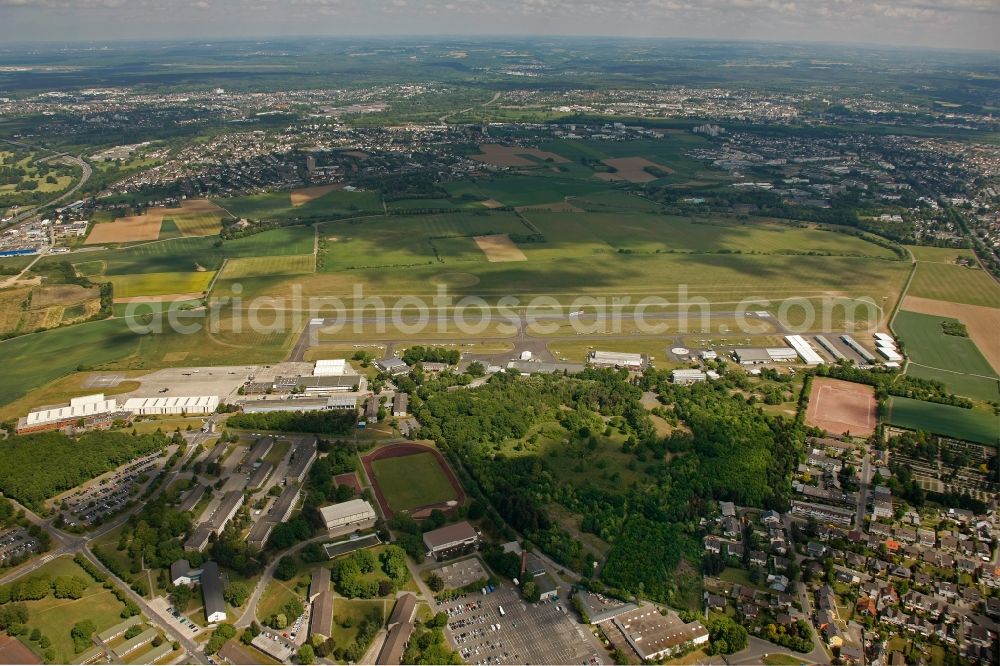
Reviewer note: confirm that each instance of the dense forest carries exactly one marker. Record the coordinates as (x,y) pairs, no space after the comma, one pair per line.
(38,466)
(678,478)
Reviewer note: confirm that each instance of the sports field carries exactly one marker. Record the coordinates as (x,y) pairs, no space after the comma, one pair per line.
(971,425)
(838,407)
(160,284)
(412,481)
(958,284)
(954,360)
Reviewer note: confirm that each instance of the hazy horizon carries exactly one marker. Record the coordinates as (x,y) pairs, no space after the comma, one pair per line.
(949,24)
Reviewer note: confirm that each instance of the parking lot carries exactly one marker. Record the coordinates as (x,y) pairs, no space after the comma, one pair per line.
(178,622)
(542,633)
(16,542)
(108,495)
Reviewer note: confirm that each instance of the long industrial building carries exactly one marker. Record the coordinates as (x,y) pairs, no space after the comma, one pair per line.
(804,350)
(344,402)
(856,346)
(206,404)
(82,408)
(604,359)
(828,346)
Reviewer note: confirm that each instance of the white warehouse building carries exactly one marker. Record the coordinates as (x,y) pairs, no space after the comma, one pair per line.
(330,367)
(78,408)
(205,404)
(605,359)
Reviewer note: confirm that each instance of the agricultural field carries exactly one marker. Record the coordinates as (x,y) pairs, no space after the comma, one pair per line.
(940,255)
(515,156)
(279,206)
(160,284)
(981,322)
(954,283)
(245,267)
(395,476)
(951,359)
(668,151)
(194,217)
(29,309)
(971,425)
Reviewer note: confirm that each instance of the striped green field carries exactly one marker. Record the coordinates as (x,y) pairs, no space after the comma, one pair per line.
(957,284)
(160,284)
(245,267)
(954,360)
(966,424)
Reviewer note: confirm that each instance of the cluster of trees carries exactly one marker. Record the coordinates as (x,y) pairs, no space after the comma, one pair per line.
(796,636)
(420,354)
(428,646)
(219,637)
(320,423)
(360,575)
(37,466)
(725,636)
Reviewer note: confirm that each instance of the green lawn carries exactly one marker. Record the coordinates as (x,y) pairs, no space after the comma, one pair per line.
(525,190)
(352,611)
(412,481)
(954,360)
(56,617)
(967,424)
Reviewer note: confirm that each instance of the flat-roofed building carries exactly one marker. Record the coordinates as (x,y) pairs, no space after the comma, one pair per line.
(450,540)
(344,514)
(211,589)
(204,404)
(606,359)
(654,636)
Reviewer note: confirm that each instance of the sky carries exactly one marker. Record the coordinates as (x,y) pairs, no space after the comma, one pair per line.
(965,24)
